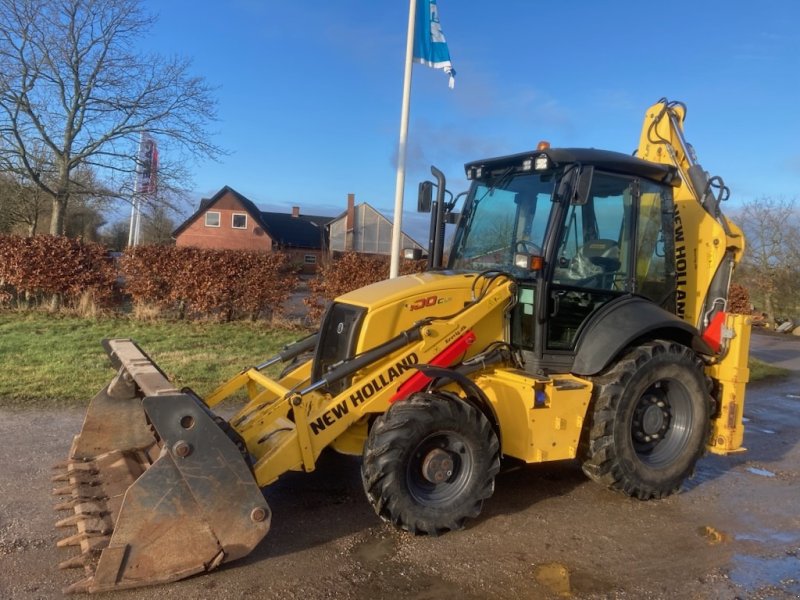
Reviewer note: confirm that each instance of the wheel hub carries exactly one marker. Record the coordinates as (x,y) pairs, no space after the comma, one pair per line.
(437,466)
(652,418)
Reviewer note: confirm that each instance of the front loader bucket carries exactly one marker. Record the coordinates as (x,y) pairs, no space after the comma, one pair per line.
(157,489)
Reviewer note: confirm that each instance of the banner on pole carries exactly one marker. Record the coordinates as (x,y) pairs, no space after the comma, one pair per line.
(430,47)
(147,166)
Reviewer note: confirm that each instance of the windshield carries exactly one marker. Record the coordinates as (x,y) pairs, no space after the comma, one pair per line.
(506,216)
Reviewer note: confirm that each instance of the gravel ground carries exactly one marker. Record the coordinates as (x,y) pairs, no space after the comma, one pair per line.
(547,532)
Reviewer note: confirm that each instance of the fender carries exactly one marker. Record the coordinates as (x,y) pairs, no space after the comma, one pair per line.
(441,376)
(620,323)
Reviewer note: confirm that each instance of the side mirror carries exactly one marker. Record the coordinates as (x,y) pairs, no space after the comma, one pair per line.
(584,185)
(425,197)
(452,218)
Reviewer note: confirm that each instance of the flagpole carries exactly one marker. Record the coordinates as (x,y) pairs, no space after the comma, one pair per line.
(136,201)
(397,225)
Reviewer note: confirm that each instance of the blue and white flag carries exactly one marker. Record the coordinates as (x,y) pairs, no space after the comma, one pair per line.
(430,47)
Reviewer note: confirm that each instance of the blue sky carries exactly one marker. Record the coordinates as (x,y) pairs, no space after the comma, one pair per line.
(310,92)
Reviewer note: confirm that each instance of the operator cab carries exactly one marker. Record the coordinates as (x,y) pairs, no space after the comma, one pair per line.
(579,229)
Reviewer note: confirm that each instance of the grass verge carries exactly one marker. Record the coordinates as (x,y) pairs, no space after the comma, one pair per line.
(759,370)
(51,360)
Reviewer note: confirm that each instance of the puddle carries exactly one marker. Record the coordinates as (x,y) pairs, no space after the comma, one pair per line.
(712,535)
(555,577)
(760,430)
(754,573)
(761,472)
(766,537)
(373,552)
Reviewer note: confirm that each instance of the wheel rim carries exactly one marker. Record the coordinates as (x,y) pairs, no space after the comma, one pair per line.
(439,469)
(662,423)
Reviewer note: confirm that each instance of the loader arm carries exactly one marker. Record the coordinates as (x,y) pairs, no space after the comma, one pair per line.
(161,488)
(287,424)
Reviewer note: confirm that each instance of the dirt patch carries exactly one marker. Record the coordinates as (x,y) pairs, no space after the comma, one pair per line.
(546,533)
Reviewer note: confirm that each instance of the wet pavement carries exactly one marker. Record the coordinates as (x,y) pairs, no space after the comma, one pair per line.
(733,532)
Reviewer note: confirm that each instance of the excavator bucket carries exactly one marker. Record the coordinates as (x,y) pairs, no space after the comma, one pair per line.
(157,486)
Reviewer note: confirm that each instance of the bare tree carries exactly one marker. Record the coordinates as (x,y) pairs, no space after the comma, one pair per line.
(21,204)
(771,265)
(71,81)
(157,226)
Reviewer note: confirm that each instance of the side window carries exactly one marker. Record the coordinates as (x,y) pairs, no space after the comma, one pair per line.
(239,221)
(653,235)
(595,245)
(593,258)
(212,219)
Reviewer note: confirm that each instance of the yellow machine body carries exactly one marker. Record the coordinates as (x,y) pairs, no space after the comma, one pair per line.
(144,440)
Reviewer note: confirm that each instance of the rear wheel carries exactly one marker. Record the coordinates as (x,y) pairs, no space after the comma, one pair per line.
(650,421)
(429,463)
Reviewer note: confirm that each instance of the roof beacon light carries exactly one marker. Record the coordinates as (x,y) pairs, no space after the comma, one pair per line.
(543,145)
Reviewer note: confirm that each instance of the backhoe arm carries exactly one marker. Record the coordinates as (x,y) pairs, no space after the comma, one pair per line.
(707,248)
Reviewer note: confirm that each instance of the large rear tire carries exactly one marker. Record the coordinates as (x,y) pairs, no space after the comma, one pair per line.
(429,463)
(650,421)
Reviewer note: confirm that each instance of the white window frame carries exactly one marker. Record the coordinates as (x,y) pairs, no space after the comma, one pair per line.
(234,215)
(310,259)
(213,212)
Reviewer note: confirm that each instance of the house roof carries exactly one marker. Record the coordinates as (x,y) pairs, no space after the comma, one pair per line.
(302,231)
(380,215)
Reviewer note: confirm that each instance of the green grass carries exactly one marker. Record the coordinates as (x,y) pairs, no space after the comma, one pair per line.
(759,370)
(53,360)
(57,360)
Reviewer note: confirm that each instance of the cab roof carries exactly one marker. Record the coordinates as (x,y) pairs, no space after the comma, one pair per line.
(606,160)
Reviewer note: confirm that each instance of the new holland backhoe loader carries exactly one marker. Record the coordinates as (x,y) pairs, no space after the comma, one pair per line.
(582,314)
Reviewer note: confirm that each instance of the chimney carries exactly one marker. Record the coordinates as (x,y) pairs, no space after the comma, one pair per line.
(351,212)
(349,222)
(295,211)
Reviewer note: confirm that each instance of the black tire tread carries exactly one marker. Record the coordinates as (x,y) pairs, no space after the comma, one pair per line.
(394,431)
(602,461)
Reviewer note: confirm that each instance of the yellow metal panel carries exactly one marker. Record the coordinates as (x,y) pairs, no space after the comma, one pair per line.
(700,241)
(732,374)
(540,419)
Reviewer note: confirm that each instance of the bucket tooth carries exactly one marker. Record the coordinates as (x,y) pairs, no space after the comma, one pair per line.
(67,490)
(76,562)
(68,505)
(73,540)
(65,464)
(70,521)
(77,464)
(80,475)
(77,498)
(93,537)
(79,587)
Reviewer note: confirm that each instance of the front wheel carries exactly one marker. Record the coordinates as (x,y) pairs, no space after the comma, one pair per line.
(650,421)
(429,463)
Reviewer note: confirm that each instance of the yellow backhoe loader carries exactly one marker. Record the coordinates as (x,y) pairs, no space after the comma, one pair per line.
(582,314)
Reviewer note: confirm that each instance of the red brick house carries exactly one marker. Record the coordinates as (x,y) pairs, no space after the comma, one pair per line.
(228,220)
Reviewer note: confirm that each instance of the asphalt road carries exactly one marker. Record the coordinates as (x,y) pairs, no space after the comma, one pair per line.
(781,350)
(733,532)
